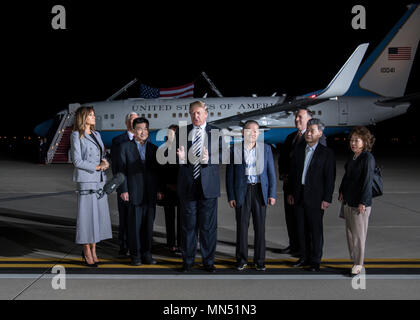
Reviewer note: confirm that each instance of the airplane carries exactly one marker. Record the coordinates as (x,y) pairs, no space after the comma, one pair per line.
(359,94)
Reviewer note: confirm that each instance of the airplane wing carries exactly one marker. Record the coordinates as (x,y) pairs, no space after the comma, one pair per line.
(392,102)
(279,108)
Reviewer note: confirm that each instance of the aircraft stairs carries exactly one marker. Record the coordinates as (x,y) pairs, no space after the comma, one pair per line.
(58,151)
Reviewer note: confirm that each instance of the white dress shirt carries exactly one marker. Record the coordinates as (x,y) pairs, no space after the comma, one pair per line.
(130,135)
(250,156)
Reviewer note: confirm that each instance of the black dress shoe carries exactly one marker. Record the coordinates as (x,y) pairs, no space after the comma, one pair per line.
(211,268)
(123,252)
(260,267)
(135,262)
(301,263)
(241,266)
(186,268)
(149,261)
(314,267)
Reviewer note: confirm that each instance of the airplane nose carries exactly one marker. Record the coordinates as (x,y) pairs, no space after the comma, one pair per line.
(43,128)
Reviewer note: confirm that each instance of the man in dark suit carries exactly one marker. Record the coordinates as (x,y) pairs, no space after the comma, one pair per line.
(251,187)
(140,189)
(312,179)
(122,205)
(287,150)
(198,188)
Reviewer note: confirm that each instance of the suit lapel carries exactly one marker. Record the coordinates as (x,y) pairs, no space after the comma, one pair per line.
(97,135)
(88,137)
(315,156)
(149,153)
(189,141)
(239,158)
(135,150)
(206,139)
(238,155)
(301,159)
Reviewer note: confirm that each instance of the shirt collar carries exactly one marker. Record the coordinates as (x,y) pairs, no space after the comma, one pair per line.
(130,135)
(138,143)
(313,147)
(202,127)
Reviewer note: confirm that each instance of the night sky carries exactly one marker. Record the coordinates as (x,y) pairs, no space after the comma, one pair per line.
(250,47)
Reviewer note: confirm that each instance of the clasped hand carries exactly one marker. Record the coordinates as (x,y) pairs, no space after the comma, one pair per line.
(103,166)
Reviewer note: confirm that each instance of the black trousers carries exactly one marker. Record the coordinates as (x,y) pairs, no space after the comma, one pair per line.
(140,230)
(198,218)
(172,223)
(123,209)
(291,224)
(310,231)
(253,205)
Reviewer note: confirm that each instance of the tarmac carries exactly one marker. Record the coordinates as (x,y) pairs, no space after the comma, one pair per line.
(39,259)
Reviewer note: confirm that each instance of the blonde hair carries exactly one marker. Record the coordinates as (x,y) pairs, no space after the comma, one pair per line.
(198,103)
(80,120)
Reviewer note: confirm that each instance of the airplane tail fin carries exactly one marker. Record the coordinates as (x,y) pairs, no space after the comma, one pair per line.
(344,78)
(386,71)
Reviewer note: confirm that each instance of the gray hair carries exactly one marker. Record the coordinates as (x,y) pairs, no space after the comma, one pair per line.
(315,121)
(128,116)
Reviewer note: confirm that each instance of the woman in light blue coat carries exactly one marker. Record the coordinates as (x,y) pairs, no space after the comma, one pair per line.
(88,156)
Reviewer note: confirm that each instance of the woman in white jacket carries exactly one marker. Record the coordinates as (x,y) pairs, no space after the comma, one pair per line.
(88,156)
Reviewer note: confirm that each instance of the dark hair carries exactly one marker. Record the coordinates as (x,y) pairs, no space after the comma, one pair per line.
(140,120)
(364,134)
(315,121)
(174,127)
(308,112)
(250,122)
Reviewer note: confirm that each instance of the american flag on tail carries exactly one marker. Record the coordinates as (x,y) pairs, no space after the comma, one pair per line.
(399,53)
(185,91)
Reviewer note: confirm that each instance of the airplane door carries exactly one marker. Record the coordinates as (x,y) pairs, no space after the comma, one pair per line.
(343,113)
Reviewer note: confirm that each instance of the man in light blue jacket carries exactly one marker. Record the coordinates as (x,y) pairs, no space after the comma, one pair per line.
(251,186)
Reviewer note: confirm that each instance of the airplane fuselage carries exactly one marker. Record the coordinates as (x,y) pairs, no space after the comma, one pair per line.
(338,115)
